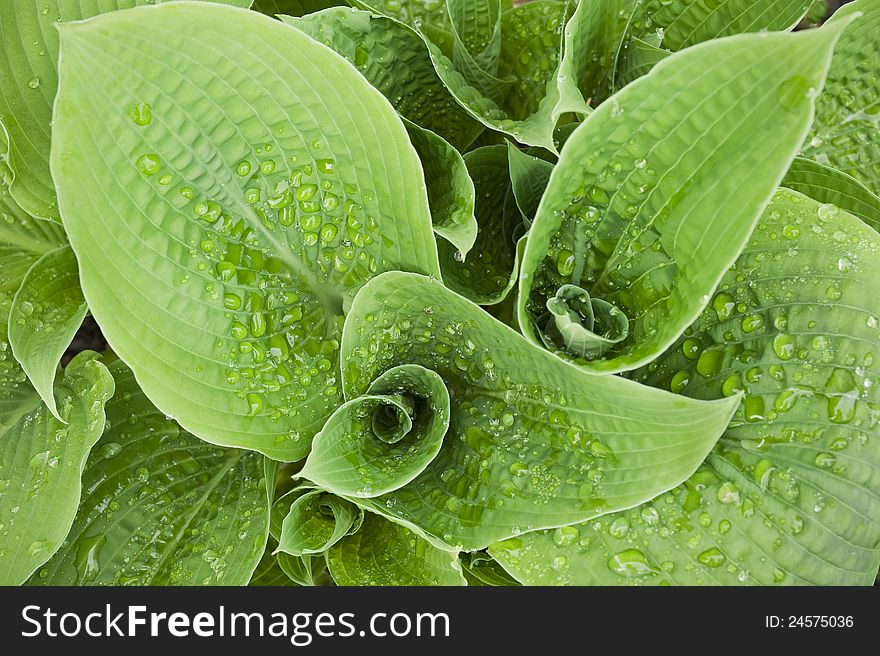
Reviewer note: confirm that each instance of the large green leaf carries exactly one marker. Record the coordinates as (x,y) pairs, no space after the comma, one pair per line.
(683,23)
(248,197)
(533,442)
(828,185)
(42,459)
(28,82)
(46,312)
(161,507)
(846,133)
(394,59)
(658,190)
(791,493)
(383,553)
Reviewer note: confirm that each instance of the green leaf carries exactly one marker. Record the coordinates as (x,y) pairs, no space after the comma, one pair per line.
(410,12)
(450,188)
(533,442)
(46,312)
(316,521)
(395,60)
(42,459)
(528,180)
(247,205)
(269,572)
(846,133)
(593,40)
(480,569)
(488,274)
(657,191)
(384,553)
(28,82)
(294,7)
(530,112)
(684,23)
(161,507)
(789,495)
(357,453)
(304,570)
(828,185)
(638,57)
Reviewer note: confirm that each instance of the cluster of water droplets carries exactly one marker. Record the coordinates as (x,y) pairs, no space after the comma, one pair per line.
(279,260)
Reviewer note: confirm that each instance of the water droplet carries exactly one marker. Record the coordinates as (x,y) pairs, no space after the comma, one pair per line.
(630,563)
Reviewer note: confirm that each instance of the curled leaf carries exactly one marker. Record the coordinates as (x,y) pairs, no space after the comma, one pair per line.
(582,326)
(379,442)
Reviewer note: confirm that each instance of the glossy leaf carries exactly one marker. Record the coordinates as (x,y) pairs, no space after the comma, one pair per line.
(28,83)
(245,214)
(828,185)
(384,553)
(533,442)
(639,57)
(790,493)
(42,459)
(846,133)
(47,311)
(655,194)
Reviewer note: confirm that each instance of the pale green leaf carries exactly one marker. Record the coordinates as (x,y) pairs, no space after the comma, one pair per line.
(161,507)
(384,553)
(46,312)
(248,197)
(790,493)
(658,190)
(533,442)
(846,133)
(828,185)
(42,459)
(28,83)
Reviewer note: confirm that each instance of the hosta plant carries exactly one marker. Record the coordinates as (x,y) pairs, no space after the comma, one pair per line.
(439,293)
